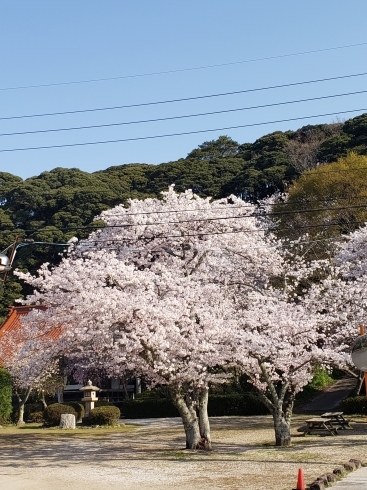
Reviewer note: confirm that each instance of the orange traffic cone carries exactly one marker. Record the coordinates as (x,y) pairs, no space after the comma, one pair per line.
(300,480)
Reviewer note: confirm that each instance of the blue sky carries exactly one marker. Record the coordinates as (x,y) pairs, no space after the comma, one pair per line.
(45,43)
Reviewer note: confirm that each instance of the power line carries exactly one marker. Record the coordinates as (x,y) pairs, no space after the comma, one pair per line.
(93,126)
(180,70)
(204,220)
(185,99)
(60,192)
(131,249)
(326,225)
(140,138)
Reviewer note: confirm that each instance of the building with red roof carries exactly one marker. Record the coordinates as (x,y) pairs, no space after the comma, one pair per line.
(11,332)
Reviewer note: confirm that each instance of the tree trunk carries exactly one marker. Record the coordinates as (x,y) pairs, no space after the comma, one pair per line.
(43,399)
(204,426)
(60,394)
(281,410)
(358,388)
(22,403)
(189,420)
(282,428)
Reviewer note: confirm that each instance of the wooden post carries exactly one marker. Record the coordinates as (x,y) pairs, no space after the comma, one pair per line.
(361,331)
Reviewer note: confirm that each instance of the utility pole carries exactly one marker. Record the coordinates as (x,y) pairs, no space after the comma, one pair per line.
(7,256)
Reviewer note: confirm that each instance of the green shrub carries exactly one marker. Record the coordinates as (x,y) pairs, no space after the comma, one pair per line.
(219,405)
(142,408)
(78,407)
(5,396)
(236,404)
(321,378)
(354,405)
(53,413)
(30,408)
(103,403)
(106,415)
(36,417)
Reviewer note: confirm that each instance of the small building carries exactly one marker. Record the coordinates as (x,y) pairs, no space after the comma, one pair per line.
(113,390)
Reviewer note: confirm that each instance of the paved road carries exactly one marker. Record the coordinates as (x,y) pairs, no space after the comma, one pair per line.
(357,480)
(330,399)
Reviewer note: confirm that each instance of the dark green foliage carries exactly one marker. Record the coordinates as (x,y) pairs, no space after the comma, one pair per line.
(103,403)
(356,128)
(334,148)
(266,168)
(205,177)
(56,205)
(224,146)
(354,405)
(53,413)
(5,396)
(106,415)
(78,407)
(236,404)
(30,408)
(219,405)
(142,408)
(36,417)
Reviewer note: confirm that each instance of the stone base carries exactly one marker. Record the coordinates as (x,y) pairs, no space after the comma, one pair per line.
(67,421)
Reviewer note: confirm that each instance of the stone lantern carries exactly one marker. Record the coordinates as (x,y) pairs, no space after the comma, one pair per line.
(89,397)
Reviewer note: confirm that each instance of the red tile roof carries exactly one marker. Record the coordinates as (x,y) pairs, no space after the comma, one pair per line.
(12,328)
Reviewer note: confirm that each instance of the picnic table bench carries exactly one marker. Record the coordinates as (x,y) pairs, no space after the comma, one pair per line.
(337,419)
(319,425)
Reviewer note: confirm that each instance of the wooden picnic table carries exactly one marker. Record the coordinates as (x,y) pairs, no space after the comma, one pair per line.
(337,419)
(318,425)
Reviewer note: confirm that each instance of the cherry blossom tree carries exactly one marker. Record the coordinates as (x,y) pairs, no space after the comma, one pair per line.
(341,297)
(29,373)
(198,255)
(179,290)
(278,344)
(167,328)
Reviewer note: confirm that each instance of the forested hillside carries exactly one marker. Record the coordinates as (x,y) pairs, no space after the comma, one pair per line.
(56,205)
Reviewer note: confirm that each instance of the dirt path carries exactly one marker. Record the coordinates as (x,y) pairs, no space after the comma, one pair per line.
(151,457)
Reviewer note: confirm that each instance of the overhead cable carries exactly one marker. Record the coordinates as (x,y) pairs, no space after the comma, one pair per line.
(168,135)
(127,123)
(258,214)
(257,230)
(184,99)
(180,70)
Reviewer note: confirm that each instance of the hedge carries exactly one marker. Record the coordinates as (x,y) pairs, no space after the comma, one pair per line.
(30,408)
(36,417)
(78,407)
(105,415)
(103,403)
(5,396)
(354,405)
(236,404)
(53,413)
(219,405)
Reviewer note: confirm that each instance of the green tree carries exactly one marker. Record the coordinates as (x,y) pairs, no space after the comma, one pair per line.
(224,146)
(5,396)
(267,168)
(327,201)
(303,147)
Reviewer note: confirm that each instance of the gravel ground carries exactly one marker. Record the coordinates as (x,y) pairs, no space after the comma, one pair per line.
(150,456)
